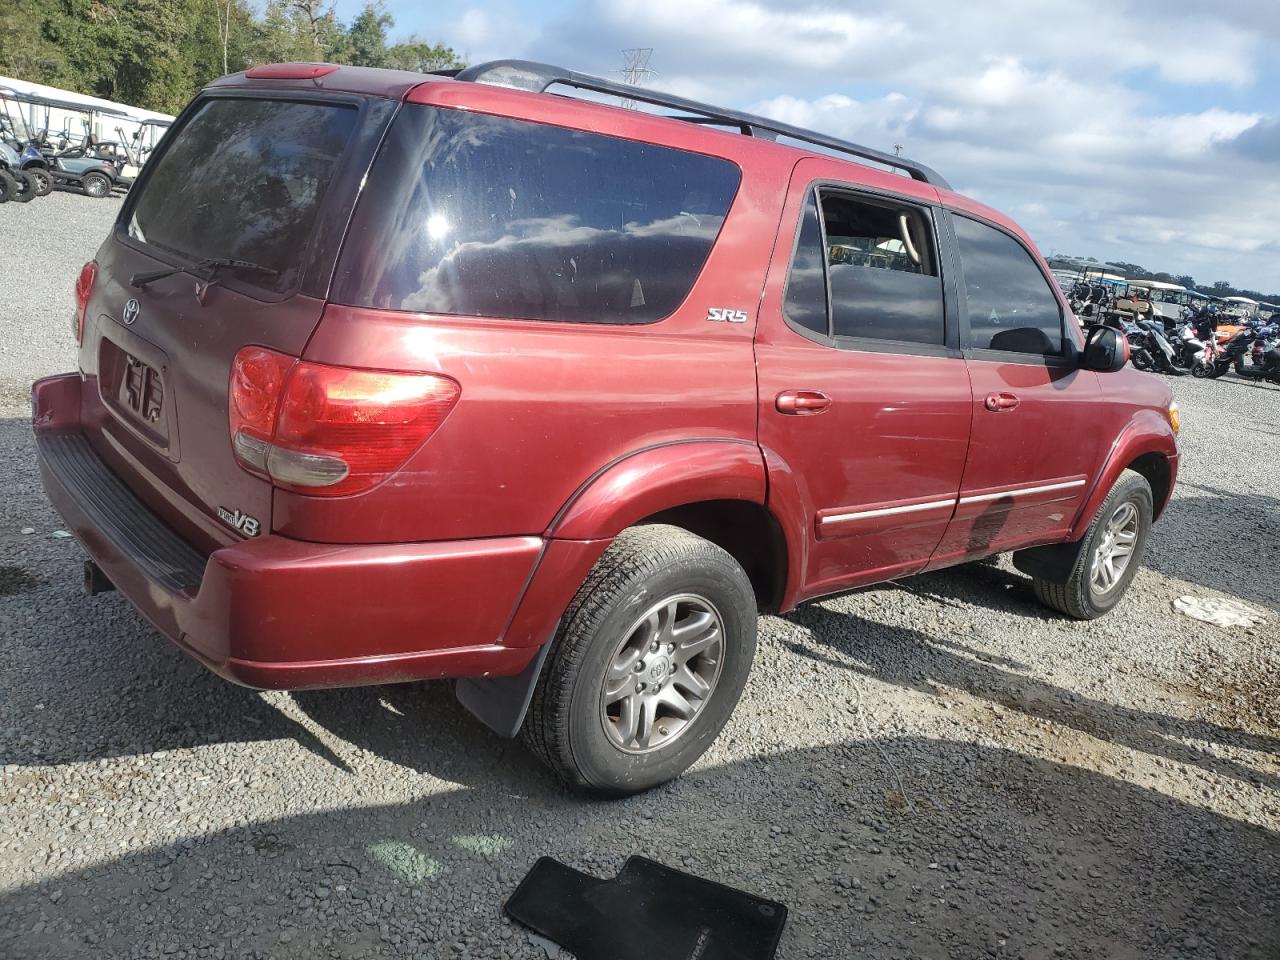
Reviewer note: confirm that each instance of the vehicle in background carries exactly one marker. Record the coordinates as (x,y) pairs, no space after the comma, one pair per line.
(389,377)
(1262,350)
(25,156)
(1166,300)
(15,185)
(83,168)
(1241,308)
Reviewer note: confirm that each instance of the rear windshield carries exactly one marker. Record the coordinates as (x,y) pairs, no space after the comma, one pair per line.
(244,179)
(487,216)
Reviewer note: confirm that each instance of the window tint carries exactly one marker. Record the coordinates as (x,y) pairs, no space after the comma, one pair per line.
(806,302)
(1010,304)
(884,278)
(488,216)
(244,179)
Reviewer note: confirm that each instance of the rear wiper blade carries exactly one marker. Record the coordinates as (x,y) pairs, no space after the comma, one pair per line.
(140,280)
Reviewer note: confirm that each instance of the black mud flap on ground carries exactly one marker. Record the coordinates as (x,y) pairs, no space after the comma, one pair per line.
(646,912)
(1052,564)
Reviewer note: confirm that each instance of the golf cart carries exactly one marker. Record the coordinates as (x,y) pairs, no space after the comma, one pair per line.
(77,158)
(19,157)
(1163,302)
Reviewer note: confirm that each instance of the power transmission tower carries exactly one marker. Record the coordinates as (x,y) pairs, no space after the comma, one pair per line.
(635,69)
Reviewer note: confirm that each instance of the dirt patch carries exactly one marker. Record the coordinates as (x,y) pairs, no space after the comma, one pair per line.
(15,580)
(1243,695)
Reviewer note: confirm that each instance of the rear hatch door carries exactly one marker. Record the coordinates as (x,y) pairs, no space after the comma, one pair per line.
(261,178)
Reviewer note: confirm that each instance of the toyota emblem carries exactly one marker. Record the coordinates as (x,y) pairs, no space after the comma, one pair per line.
(131,311)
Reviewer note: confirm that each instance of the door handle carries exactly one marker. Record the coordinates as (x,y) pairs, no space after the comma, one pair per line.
(801,403)
(1001,401)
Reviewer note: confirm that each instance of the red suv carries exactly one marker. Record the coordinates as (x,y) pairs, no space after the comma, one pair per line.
(387,377)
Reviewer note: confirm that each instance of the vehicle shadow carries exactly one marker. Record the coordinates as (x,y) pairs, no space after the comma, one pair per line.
(989,853)
(916,661)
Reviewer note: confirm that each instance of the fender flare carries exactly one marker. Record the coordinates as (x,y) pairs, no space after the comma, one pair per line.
(1147,432)
(659,478)
(615,497)
(790,503)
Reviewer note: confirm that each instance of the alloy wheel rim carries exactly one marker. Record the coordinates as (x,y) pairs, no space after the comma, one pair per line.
(663,673)
(1115,551)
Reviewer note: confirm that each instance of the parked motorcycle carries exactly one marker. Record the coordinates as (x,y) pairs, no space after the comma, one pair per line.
(1266,366)
(1190,351)
(1150,349)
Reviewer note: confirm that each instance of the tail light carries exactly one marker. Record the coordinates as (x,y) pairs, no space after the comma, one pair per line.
(329,431)
(84,287)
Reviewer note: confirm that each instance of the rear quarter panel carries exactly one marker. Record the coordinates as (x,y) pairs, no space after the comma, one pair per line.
(546,406)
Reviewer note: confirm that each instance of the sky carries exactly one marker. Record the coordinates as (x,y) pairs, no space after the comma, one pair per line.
(1146,131)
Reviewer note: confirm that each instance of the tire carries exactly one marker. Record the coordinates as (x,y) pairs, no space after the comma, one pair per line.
(96,184)
(43,181)
(681,579)
(1201,369)
(26,187)
(8,187)
(1082,596)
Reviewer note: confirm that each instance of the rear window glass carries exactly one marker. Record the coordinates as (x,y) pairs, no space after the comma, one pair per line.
(487,216)
(244,179)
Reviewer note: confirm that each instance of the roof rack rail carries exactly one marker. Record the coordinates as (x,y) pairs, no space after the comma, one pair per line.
(537,77)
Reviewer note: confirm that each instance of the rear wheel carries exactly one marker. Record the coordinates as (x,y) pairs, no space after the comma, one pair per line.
(1110,556)
(649,662)
(43,182)
(96,184)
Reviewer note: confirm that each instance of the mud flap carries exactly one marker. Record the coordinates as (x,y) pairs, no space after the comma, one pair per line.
(1052,563)
(500,703)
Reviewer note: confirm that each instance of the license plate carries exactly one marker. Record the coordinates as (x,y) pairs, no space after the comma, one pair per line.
(141,390)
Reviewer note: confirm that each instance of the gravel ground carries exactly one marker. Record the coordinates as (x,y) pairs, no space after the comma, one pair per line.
(937,768)
(43,245)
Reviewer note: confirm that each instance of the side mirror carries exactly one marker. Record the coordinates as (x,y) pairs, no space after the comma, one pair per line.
(1106,349)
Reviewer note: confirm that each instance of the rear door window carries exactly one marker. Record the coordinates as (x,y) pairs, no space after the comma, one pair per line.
(244,179)
(865,271)
(478,215)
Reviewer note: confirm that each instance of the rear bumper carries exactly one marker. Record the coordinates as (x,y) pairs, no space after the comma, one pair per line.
(277,613)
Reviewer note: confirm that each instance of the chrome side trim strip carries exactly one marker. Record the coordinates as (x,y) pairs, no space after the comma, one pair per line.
(1044,488)
(889,511)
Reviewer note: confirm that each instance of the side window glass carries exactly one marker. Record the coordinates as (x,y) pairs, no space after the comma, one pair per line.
(806,301)
(881,258)
(1011,307)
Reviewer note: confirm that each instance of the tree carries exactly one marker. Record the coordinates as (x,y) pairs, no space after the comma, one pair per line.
(418,55)
(367,38)
(25,49)
(157,54)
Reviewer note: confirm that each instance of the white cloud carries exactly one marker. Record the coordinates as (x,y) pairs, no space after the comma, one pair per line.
(1067,117)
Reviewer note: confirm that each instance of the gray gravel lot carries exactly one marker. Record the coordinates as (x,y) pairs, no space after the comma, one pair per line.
(938,768)
(43,245)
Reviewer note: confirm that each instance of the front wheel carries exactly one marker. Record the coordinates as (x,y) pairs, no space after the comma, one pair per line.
(1111,553)
(42,181)
(650,660)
